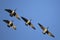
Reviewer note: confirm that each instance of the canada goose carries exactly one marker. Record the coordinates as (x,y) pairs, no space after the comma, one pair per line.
(28,22)
(10,24)
(13,13)
(45,30)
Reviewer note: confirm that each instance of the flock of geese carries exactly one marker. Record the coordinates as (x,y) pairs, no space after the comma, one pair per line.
(27,22)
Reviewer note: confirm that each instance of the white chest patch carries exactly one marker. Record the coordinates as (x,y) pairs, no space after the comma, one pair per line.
(28,22)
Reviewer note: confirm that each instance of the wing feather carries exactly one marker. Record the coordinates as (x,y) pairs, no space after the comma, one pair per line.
(17,16)
(6,21)
(8,10)
(24,19)
(50,34)
(32,26)
(41,26)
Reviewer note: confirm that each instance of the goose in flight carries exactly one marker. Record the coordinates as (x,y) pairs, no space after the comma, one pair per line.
(45,30)
(28,22)
(10,24)
(13,13)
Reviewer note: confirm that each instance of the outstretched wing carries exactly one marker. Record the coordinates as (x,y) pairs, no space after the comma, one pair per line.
(50,34)
(14,27)
(6,21)
(32,26)
(24,19)
(8,10)
(17,16)
(41,26)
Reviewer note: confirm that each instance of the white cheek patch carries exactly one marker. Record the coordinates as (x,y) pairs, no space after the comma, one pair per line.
(28,22)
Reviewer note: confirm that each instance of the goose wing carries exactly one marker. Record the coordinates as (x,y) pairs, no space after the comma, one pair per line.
(6,21)
(41,26)
(50,34)
(24,19)
(17,16)
(8,10)
(32,26)
(14,27)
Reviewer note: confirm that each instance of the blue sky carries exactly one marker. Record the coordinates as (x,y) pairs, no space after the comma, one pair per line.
(46,12)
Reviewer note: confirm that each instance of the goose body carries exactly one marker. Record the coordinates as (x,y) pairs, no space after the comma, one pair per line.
(13,13)
(28,22)
(10,24)
(45,30)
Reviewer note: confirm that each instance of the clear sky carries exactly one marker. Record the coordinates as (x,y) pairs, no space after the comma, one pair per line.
(46,12)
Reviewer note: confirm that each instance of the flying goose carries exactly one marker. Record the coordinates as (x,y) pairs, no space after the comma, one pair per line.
(45,30)
(28,22)
(10,24)
(13,13)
